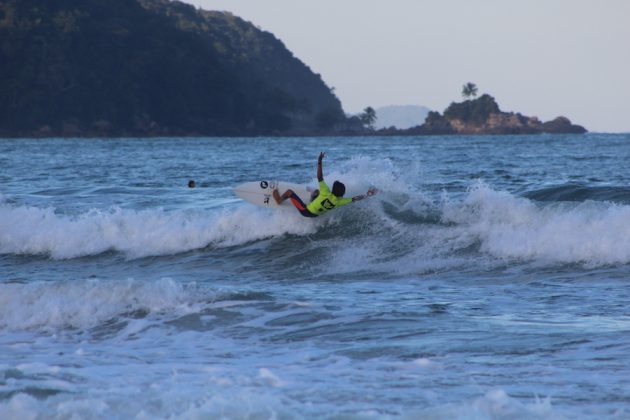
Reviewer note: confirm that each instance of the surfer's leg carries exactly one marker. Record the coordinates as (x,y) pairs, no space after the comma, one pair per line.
(295,200)
(276,196)
(280,198)
(299,204)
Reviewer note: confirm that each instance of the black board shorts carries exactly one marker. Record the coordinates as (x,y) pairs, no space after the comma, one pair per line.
(299,204)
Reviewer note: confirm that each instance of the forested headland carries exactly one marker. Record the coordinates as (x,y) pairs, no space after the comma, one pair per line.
(150,67)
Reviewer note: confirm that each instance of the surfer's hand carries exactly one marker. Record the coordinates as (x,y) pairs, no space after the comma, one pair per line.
(321,156)
(371,192)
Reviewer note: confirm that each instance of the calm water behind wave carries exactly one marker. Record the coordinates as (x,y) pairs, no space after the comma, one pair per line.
(489,278)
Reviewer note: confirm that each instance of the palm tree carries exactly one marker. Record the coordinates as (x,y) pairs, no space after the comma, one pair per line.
(469,89)
(368,118)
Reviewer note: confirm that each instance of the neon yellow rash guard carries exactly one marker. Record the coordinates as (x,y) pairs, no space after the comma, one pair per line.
(326,200)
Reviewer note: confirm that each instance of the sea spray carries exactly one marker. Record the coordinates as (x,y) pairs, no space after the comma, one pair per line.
(507,226)
(138,233)
(499,224)
(87,303)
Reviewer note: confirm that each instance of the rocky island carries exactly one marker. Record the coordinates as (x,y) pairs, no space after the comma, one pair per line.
(483,116)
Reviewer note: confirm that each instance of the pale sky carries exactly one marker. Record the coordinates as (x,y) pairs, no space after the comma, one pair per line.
(542,58)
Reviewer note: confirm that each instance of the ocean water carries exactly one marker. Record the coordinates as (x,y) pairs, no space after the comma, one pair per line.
(488,279)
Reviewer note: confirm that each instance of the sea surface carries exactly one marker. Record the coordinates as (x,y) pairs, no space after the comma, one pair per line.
(488,279)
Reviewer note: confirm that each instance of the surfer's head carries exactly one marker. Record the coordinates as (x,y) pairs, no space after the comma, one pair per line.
(191,183)
(338,189)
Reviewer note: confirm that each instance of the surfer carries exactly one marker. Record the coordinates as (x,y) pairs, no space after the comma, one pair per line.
(323,199)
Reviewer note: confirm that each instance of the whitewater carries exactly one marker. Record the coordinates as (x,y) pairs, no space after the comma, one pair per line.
(488,279)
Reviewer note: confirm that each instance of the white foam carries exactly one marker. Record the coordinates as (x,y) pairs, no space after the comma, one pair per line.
(360,173)
(175,404)
(270,378)
(499,224)
(495,404)
(249,403)
(22,407)
(507,226)
(87,303)
(32,230)
(425,363)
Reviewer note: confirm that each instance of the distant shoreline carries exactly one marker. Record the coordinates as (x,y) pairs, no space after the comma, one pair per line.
(481,116)
(446,137)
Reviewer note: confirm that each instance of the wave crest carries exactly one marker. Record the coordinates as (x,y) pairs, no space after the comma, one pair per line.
(36,231)
(514,227)
(398,223)
(85,304)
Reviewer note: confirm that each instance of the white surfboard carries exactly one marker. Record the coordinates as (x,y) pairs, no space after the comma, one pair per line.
(260,193)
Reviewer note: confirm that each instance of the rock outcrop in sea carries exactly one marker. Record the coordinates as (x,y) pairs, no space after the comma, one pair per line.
(483,116)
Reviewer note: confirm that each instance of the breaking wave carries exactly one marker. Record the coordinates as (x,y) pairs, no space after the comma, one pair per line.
(549,226)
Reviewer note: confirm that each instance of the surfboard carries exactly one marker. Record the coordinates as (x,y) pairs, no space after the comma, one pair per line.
(260,193)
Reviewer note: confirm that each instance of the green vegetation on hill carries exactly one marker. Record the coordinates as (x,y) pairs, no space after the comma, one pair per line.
(150,67)
(476,111)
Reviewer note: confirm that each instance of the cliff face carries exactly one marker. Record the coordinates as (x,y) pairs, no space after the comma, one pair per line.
(483,116)
(150,67)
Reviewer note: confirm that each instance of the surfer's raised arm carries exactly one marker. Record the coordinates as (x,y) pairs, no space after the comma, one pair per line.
(320,172)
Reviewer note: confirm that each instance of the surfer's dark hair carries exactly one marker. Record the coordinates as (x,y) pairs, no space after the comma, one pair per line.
(338,189)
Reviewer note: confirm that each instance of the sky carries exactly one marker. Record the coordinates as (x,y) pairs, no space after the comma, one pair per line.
(541,58)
